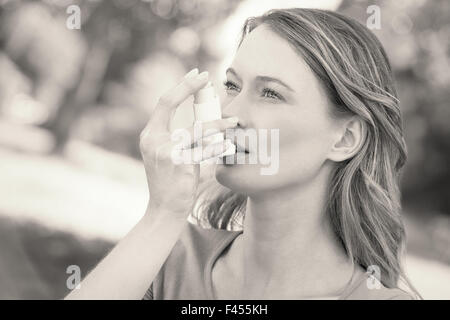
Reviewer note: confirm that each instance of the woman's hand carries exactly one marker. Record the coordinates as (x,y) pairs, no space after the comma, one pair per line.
(129,269)
(172,185)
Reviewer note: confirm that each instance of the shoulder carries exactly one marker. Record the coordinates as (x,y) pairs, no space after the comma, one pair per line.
(195,237)
(182,276)
(367,290)
(195,245)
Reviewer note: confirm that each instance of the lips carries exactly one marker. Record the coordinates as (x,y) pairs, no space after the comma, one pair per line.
(240,148)
(239,141)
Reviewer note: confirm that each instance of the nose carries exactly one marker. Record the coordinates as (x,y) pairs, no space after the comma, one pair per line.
(235,108)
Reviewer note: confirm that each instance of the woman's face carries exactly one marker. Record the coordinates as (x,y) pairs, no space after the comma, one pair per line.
(269,86)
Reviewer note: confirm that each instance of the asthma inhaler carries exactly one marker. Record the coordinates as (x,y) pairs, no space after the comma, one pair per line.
(207,108)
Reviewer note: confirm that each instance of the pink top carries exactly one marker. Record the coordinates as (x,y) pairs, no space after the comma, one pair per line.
(186,273)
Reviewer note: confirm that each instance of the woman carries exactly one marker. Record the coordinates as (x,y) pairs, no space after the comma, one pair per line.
(326,225)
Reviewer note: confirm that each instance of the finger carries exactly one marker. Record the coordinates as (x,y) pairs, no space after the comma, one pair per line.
(171,100)
(199,154)
(202,130)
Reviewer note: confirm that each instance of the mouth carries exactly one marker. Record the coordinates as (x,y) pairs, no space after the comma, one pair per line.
(231,160)
(240,148)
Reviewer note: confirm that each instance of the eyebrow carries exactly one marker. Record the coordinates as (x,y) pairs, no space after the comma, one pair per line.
(261,78)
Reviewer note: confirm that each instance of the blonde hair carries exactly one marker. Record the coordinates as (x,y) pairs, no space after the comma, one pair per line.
(364,198)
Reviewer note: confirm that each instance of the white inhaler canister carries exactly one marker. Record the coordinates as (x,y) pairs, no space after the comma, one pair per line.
(207,108)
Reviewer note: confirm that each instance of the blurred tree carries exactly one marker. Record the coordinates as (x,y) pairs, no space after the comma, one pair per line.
(121,32)
(71,71)
(116,34)
(416,37)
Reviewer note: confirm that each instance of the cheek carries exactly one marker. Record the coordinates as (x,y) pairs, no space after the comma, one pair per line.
(304,145)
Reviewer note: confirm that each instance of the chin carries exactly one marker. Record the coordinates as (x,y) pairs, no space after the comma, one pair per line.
(239,178)
(244,178)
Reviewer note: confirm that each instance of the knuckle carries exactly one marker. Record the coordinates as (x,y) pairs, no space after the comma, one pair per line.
(146,144)
(143,135)
(142,141)
(145,147)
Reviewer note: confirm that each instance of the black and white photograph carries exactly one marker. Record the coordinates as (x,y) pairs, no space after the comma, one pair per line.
(238,150)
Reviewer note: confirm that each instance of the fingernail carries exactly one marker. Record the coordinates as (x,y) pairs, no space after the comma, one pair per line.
(191,73)
(203,75)
(233,119)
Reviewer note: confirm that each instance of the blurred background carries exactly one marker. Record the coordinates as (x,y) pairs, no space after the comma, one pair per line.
(74,101)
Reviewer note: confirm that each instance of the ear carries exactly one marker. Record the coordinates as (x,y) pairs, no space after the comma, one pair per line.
(349,140)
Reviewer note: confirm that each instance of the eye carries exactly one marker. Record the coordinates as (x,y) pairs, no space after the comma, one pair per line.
(230,85)
(266,92)
(269,93)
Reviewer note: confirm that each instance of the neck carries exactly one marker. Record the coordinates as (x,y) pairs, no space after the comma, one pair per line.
(288,239)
